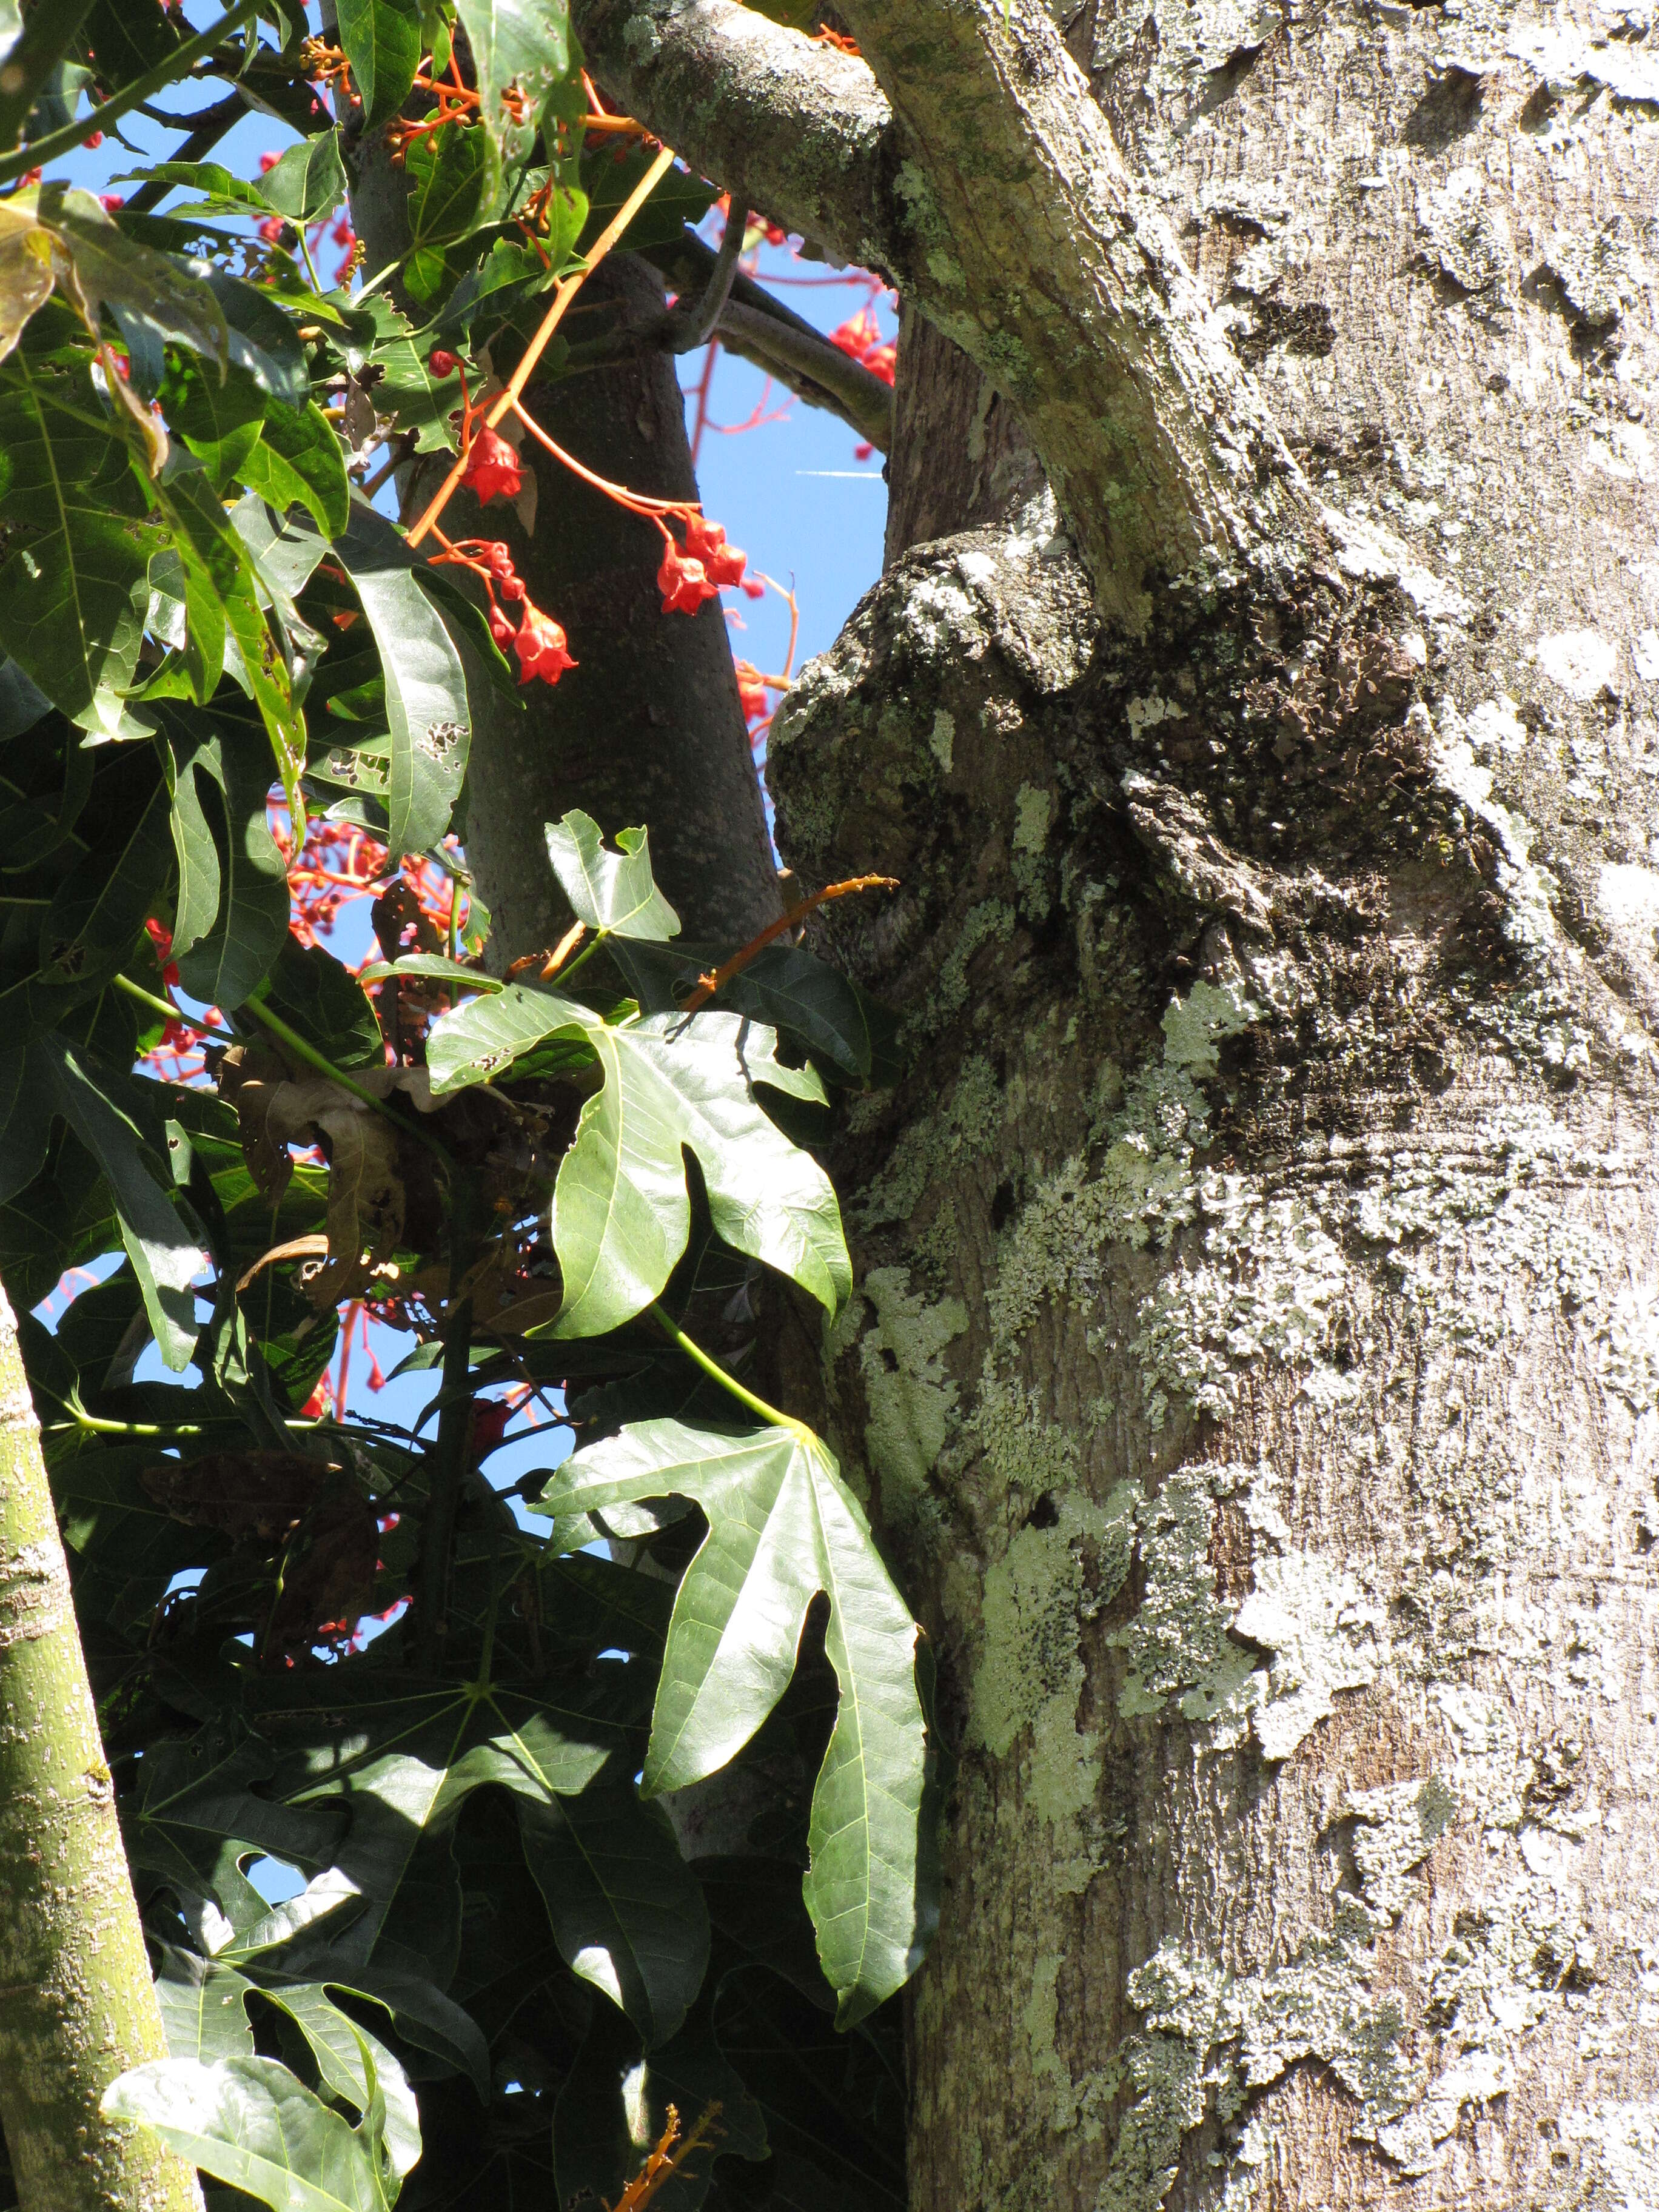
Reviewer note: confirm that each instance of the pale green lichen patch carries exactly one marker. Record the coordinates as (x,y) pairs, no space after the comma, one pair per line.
(1318,2006)
(1178,1643)
(1033,812)
(1267,1287)
(911,1398)
(1145,1185)
(1397,1825)
(1324,1636)
(932,1148)
(1185,1643)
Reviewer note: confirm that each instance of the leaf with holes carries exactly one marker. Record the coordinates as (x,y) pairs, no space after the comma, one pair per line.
(426,705)
(612,892)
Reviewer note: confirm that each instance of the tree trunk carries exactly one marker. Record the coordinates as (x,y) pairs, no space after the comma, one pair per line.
(77,2006)
(1256,1360)
(1256,1364)
(648,727)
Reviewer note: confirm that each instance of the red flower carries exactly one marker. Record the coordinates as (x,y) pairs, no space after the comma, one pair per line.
(272,230)
(500,627)
(683,581)
(110,201)
(752,589)
(441,362)
(508,582)
(706,541)
(540,646)
(268,162)
(96,139)
(752,689)
(492,466)
(161,938)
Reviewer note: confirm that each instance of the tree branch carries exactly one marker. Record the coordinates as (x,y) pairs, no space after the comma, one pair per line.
(991,190)
(759,329)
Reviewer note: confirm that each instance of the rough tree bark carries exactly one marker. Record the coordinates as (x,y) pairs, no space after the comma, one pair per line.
(76,2005)
(1256,1365)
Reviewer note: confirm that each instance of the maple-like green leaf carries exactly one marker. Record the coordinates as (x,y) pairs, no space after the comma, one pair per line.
(612,892)
(250,2123)
(621,1212)
(398,1755)
(203,2006)
(783,1528)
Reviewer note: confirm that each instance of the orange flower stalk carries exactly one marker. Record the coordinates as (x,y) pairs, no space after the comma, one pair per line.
(566,292)
(708,985)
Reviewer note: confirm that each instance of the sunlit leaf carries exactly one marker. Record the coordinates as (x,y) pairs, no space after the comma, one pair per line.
(248,2122)
(783,1528)
(613,892)
(621,1212)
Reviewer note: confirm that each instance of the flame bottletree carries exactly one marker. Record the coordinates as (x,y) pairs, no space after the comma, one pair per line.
(236,692)
(1249,1364)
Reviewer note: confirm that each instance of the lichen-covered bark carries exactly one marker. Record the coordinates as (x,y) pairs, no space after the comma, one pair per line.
(76,2007)
(1256,1366)
(996,197)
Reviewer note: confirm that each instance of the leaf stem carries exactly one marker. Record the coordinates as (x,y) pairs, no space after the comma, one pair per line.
(41,151)
(567,289)
(168,1012)
(449,1454)
(45,41)
(308,1052)
(716,1373)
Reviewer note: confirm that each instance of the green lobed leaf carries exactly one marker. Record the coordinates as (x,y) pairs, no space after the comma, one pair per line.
(784,985)
(612,892)
(626,1910)
(452,182)
(522,42)
(381,40)
(783,1528)
(250,2123)
(74,581)
(309,181)
(620,1214)
(427,709)
(401,1754)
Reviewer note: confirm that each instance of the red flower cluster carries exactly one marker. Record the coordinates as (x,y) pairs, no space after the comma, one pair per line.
(538,640)
(683,581)
(686,579)
(862,337)
(706,542)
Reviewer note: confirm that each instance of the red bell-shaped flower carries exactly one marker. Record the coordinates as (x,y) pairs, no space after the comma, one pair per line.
(492,467)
